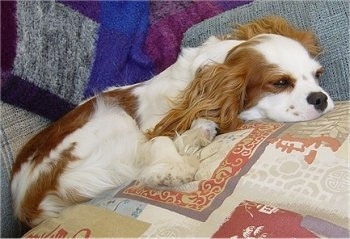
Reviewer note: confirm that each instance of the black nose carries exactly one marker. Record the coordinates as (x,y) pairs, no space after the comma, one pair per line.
(318,100)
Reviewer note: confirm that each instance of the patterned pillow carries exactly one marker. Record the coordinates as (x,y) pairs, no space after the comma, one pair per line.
(280,179)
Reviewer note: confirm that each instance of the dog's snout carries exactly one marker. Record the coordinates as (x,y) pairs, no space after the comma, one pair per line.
(318,100)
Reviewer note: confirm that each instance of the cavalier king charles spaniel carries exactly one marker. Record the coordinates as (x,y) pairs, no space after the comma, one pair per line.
(151,131)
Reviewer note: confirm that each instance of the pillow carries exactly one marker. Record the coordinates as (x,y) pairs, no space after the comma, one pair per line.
(281,179)
(85,221)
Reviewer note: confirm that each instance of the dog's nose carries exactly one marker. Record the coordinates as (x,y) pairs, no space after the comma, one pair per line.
(318,100)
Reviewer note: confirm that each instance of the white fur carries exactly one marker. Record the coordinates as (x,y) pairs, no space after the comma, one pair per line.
(112,148)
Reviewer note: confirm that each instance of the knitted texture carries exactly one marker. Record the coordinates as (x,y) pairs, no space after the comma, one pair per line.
(69,50)
(329,20)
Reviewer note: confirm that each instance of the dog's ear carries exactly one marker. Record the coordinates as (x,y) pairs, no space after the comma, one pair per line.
(277,25)
(215,94)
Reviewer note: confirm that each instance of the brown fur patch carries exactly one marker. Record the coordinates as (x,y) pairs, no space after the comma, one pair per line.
(123,97)
(277,25)
(41,144)
(44,142)
(46,184)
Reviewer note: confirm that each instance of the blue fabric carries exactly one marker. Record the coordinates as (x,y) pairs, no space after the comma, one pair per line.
(125,23)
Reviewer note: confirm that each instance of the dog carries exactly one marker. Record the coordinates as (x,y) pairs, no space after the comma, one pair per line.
(151,131)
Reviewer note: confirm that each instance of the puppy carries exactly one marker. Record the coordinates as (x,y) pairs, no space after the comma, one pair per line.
(151,131)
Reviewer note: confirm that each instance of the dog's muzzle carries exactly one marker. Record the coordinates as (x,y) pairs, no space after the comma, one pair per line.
(318,100)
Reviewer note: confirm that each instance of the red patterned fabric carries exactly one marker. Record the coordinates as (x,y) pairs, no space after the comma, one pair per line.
(211,192)
(254,220)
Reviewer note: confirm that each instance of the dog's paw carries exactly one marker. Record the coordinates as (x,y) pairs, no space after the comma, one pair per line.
(208,128)
(201,133)
(169,174)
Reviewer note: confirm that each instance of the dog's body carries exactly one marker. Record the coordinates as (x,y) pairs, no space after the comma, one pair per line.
(130,133)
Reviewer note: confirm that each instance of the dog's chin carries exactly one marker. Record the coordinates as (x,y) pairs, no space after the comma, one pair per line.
(306,115)
(295,115)
(311,113)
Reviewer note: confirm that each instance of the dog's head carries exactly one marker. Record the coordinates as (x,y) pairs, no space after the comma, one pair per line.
(272,74)
(285,86)
(282,80)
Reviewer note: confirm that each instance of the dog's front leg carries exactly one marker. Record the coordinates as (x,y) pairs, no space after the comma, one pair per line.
(201,133)
(168,163)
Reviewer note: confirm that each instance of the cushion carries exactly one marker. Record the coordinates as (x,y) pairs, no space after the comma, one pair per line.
(85,221)
(266,178)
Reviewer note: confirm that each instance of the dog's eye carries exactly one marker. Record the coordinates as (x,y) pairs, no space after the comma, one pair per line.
(318,73)
(282,83)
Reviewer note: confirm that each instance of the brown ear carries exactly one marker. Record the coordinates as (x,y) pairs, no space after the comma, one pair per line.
(214,94)
(277,25)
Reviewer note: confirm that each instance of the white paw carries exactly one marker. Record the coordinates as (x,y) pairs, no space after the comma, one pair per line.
(208,127)
(169,174)
(201,133)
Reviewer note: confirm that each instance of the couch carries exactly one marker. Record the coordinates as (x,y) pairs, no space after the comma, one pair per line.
(266,179)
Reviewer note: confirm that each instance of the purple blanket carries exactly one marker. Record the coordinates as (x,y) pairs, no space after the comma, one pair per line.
(56,54)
